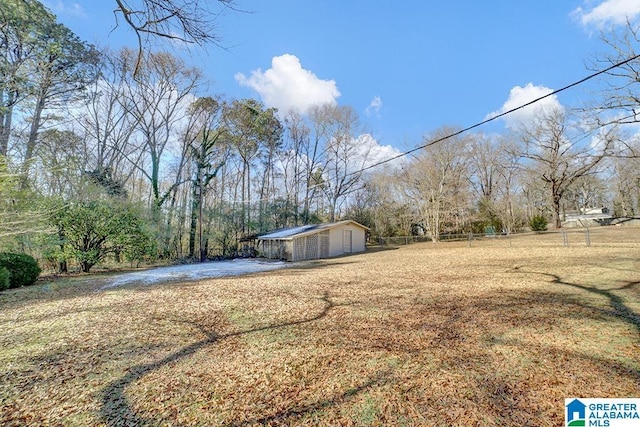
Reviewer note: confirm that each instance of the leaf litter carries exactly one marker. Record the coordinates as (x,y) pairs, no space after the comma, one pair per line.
(446,334)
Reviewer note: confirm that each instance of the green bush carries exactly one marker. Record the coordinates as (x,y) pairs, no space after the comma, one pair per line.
(538,223)
(93,230)
(4,278)
(23,269)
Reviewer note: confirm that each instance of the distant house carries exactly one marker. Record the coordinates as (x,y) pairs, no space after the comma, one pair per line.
(588,213)
(314,241)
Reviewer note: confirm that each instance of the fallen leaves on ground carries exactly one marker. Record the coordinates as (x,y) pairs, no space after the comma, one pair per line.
(484,333)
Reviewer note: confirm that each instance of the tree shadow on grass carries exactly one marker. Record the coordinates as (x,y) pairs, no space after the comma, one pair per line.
(116,410)
(508,399)
(618,310)
(291,414)
(506,396)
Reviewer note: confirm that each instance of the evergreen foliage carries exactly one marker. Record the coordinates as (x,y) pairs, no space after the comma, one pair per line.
(23,269)
(94,229)
(4,278)
(538,223)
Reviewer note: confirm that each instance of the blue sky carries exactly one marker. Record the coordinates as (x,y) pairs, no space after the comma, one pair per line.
(408,68)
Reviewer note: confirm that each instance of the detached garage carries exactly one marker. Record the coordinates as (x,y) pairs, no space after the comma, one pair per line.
(314,241)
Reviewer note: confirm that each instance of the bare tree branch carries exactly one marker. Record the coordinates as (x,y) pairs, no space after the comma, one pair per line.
(186,21)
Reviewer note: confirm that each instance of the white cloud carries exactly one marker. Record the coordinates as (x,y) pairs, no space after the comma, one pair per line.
(67,8)
(364,152)
(370,152)
(608,12)
(519,96)
(287,86)
(374,106)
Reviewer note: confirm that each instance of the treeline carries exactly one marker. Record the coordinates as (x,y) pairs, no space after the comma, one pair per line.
(109,155)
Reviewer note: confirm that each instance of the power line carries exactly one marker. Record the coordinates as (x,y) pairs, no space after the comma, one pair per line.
(444,138)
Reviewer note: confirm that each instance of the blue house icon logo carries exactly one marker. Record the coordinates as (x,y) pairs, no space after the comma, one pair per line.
(576,415)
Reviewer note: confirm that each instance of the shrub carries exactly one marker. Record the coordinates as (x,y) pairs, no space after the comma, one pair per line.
(4,278)
(95,229)
(538,223)
(23,269)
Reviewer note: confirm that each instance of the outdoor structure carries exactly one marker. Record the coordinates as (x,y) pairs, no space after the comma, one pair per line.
(314,241)
(591,213)
(588,217)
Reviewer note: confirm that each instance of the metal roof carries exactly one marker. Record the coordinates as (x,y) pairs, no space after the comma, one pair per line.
(303,230)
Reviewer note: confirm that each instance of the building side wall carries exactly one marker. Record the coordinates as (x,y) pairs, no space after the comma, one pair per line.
(359,239)
(288,250)
(277,249)
(326,243)
(337,240)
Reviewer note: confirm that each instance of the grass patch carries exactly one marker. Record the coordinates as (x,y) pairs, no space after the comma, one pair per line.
(449,334)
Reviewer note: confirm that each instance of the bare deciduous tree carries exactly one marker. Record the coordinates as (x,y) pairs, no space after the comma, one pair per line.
(158,101)
(310,154)
(493,170)
(107,124)
(391,212)
(205,136)
(344,154)
(508,207)
(558,160)
(625,180)
(619,100)
(187,21)
(587,192)
(435,182)
(292,161)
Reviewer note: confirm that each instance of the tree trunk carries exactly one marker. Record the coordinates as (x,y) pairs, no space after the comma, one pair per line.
(62,264)
(85,266)
(557,219)
(33,138)
(195,208)
(243,200)
(62,267)
(203,251)
(193,225)
(5,128)
(248,220)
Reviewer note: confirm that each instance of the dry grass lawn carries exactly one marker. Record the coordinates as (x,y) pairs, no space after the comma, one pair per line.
(487,333)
